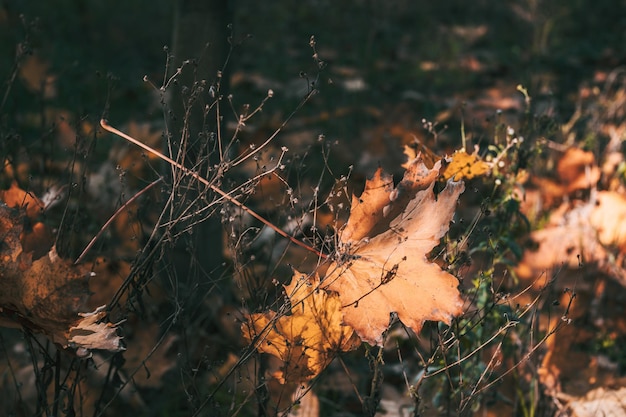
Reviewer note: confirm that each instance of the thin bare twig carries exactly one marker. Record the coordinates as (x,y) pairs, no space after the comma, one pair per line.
(105,125)
(119,210)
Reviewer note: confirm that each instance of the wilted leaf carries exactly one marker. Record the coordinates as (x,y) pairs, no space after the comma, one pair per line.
(382,266)
(44,295)
(92,333)
(308,339)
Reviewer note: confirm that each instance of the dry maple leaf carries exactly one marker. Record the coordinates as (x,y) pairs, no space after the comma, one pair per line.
(308,339)
(383,267)
(46,294)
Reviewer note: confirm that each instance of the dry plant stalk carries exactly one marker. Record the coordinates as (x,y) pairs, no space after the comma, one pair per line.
(105,125)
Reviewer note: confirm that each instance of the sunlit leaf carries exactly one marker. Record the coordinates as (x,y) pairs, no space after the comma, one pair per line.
(465,166)
(382,264)
(309,338)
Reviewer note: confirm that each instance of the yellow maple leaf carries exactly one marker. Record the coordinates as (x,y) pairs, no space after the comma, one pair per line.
(308,339)
(465,166)
(382,265)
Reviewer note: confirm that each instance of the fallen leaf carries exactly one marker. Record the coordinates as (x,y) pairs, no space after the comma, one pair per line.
(418,149)
(38,240)
(45,295)
(577,170)
(599,402)
(308,339)
(16,197)
(566,241)
(36,237)
(382,265)
(608,217)
(93,333)
(368,208)
(465,166)
(579,234)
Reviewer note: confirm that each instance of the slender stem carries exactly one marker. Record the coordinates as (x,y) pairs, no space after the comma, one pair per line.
(204,181)
(119,210)
(57,384)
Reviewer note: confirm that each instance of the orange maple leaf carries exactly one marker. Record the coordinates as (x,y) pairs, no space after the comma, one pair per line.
(308,339)
(383,266)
